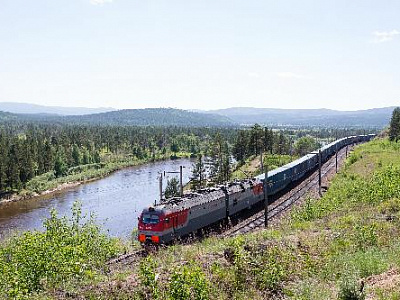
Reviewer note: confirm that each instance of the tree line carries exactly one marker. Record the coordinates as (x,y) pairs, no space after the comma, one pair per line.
(29,150)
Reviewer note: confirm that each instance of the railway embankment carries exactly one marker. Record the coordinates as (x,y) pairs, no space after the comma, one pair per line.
(343,245)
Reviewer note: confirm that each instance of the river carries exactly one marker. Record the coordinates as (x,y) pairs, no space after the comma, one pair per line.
(116,200)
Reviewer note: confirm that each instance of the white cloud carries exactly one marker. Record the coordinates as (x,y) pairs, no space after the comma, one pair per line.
(291,75)
(384,36)
(100,2)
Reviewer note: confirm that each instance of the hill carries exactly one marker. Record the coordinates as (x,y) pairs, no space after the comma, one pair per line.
(4,116)
(376,117)
(371,118)
(28,108)
(131,117)
(153,117)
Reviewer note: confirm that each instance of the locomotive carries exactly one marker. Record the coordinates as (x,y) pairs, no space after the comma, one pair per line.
(180,216)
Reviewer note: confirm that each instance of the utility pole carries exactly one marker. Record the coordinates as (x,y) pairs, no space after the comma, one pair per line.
(201,171)
(160,185)
(347,150)
(181,179)
(261,160)
(265,189)
(336,157)
(319,173)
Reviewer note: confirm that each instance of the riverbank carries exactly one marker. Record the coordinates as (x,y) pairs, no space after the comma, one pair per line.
(48,184)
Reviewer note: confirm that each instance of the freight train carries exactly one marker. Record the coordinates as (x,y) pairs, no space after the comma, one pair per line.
(177,217)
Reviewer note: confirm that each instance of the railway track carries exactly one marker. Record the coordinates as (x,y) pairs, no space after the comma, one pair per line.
(287,200)
(257,220)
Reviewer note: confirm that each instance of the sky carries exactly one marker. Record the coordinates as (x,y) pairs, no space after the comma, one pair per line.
(204,54)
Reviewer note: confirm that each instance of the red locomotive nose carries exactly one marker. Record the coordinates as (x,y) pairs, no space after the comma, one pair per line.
(151,221)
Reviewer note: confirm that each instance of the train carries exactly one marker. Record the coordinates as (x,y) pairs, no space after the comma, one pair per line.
(177,217)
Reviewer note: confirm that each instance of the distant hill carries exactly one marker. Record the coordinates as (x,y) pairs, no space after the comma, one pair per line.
(5,116)
(153,117)
(372,118)
(376,117)
(27,108)
(133,117)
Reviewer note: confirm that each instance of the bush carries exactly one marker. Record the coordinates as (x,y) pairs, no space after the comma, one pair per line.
(392,206)
(67,251)
(188,282)
(148,278)
(350,290)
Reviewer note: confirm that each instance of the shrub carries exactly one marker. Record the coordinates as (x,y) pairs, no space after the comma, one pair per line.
(188,282)
(365,236)
(66,251)
(148,277)
(350,290)
(392,206)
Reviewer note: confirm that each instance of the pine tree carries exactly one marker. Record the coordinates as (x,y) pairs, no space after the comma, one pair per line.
(86,159)
(226,162)
(256,139)
(76,155)
(394,130)
(13,169)
(172,189)
(174,147)
(3,162)
(48,156)
(268,140)
(282,144)
(60,165)
(198,174)
(220,169)
(240,147)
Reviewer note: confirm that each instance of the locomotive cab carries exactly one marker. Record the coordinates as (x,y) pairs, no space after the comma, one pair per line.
(151,224)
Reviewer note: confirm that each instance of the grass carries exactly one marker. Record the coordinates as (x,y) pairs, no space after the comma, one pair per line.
(345,245)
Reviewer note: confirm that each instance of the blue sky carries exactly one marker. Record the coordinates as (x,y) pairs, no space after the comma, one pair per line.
(201,54)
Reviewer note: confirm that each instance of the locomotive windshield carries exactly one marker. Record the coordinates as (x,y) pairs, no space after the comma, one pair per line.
(150,219)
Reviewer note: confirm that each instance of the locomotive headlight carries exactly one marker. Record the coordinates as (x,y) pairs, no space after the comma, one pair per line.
(142,238)
(155,239)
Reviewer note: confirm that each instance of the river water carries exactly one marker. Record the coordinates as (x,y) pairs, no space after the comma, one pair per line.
(116,200)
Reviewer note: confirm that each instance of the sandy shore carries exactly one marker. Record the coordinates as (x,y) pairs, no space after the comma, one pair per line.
(61,187)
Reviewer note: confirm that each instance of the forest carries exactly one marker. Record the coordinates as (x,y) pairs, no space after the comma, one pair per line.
(30,149)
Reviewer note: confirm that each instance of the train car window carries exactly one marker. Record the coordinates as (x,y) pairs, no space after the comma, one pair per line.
(150,219)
